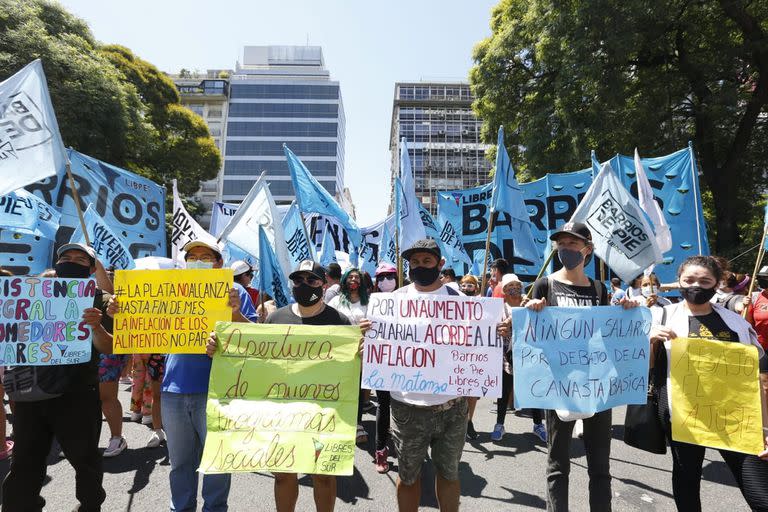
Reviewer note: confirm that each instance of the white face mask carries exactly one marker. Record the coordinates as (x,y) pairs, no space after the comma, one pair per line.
(647,291)
(387,284)
(199,265)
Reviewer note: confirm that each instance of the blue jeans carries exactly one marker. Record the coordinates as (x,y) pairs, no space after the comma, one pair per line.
(185,427)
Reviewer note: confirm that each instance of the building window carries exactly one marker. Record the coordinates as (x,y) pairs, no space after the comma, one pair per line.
(273,129)
(329,92)
(197,108)
(271,148)
(276,187)
(214,113)
(275,168)
(323,110)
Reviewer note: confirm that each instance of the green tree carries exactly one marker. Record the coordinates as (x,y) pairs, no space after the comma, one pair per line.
(611,75)
(110,104)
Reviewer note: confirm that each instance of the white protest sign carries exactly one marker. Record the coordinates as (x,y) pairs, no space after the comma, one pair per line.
(443,345)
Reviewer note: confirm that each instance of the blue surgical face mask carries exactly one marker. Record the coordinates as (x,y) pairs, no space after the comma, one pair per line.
(199,265)
(570,258)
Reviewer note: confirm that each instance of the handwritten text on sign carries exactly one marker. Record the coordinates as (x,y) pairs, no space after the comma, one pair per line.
(580,359)
(715,395)
(283,398)
(42,320)
(169,311)
(442,345)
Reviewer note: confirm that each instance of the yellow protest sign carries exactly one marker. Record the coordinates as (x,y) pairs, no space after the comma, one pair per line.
(716,395)
(283,398)
(169,311)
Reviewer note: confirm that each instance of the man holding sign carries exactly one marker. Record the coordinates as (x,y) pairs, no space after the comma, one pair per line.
(60,401)
(693,413)
(570,286)
(431,348)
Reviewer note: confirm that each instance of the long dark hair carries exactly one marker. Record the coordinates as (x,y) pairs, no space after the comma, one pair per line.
(346,293)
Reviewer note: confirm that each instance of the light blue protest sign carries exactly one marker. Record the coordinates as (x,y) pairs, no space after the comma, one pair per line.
(42,321)
(109,247)
(582,360)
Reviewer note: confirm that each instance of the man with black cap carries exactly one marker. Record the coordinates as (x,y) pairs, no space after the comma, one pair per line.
(570,286)
(307,283)
(421,421)
(62,402)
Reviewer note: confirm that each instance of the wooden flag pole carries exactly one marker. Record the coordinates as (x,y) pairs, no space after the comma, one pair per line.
(541,272)
(76,198)
(758,262)
(487,250)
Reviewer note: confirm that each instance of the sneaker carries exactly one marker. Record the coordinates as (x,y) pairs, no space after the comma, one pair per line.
(126,380)
(116,446)
(578,429)
(471,432)
(157,437)
(382,464)
(146,420)
(369,407)
(362,435)
(498,432)
(541,432)
(135,416)
(8,450)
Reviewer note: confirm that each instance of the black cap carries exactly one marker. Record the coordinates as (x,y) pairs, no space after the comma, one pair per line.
(576,229)
(763,272)
(425,245)
(312,267)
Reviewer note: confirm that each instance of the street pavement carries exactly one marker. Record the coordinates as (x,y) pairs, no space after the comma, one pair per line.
(508,475)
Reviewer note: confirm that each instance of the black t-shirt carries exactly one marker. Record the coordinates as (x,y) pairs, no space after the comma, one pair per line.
(328,316)
(712,326)
(566,295)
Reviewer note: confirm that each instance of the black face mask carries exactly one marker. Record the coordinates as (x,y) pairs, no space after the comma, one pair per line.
(697,294)
(307,295)
(763,282)
(72,270)
(423,276)
(570,258)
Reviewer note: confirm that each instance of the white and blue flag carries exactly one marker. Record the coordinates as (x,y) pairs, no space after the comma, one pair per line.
(110,249)
(621,235)
(23,212)
(30,143)
(409,225)
(299,248)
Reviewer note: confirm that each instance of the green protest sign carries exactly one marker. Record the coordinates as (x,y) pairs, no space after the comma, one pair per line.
(283,398)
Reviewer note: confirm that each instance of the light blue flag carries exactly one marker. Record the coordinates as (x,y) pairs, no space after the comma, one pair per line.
(23,212)
(446,237)
(387,247)
(299,248)
(30,144)
(507,197)
(409,224)
(328,254)
(621,235)
(271,277)
(109,248)
(313,198)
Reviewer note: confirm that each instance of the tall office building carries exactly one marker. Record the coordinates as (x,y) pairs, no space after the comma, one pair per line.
(282,94)
(443,137)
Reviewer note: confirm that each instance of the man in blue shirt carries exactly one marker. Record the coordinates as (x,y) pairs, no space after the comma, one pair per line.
(184,398)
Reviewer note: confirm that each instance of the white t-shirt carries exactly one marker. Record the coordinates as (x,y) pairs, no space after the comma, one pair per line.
(455,286)
(353,310)
(421,398)
(331,292)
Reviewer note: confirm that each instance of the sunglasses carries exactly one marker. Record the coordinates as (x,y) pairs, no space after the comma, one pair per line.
(310,280)
(382,277)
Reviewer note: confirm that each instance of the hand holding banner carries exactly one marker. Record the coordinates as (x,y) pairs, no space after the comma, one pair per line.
(582,360)
(715,395)
(43,320)
(169,311)
(283,398)
(444,345)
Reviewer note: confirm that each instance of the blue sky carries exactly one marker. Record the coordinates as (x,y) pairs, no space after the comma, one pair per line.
(368,46)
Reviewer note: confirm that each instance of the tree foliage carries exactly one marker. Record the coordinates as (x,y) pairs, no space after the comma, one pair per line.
(612,75)
(110,104)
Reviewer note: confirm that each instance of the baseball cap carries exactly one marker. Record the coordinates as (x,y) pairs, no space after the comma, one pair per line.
(763,272)
(385,268)
(508,278)
(311,267)
(240,267)
(201,243)
(78,247)
(577,229)
(424,245)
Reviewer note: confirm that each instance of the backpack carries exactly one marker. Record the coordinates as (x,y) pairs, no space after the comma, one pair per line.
(36,383)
